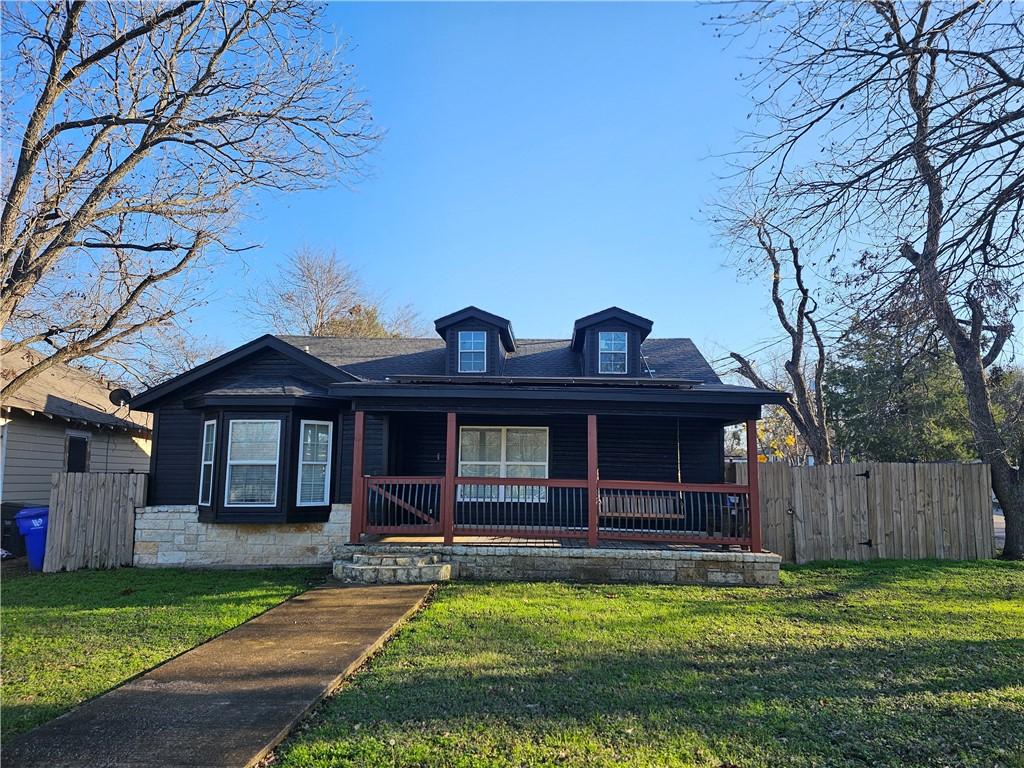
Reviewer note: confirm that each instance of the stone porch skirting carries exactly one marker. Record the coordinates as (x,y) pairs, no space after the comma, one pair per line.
(641,564)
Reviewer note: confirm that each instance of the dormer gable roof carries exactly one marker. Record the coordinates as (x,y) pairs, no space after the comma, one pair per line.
(579,328)
(508,339)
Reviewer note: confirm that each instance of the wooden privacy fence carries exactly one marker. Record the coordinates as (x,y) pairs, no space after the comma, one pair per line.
(92,519)
(866,511)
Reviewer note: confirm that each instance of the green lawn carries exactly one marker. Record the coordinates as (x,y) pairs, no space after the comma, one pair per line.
(70,636)
(894,664)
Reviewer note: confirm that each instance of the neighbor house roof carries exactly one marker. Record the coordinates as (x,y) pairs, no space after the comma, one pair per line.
(68,394)
(380,359)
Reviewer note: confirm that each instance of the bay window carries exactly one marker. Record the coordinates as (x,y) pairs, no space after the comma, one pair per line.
(206,470)
(314,463)
(253,454)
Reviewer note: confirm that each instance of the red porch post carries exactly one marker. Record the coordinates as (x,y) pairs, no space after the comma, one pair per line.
(592,477)
(448,488)
(754,495)
(358,523)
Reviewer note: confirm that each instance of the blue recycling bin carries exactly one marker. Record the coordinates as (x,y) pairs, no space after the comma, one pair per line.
(32,522)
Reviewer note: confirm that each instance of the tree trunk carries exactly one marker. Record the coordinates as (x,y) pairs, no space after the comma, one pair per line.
(1007,481)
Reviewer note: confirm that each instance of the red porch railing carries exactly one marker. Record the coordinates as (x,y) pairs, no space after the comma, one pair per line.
(520,507)
(403,504)
(552,508)
(690,513)
(590,508)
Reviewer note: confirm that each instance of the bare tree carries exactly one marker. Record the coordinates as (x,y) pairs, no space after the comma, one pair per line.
(134,133)
(405,322)
(311,288)
(901,125)
(155,355)
(366,321)
(315,293)
(795,310)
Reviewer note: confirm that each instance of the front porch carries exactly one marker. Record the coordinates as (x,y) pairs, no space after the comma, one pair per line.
(600,482)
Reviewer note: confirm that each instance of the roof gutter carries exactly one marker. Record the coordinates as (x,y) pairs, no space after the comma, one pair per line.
(564,393)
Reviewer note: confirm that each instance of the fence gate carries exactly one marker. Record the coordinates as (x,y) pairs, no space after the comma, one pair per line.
(866,511)
(92,519)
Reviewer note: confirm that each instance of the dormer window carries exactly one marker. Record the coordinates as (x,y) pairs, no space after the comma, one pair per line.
(611,352)
(472,351)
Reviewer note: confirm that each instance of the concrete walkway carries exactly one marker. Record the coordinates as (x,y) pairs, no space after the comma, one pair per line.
(231,700)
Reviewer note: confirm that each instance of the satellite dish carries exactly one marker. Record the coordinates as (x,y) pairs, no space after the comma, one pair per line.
(120,397)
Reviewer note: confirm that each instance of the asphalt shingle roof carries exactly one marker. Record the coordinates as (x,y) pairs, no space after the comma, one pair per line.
(377,359)
(287,386)
(67,393)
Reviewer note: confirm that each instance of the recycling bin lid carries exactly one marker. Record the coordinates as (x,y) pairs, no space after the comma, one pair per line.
(32,512)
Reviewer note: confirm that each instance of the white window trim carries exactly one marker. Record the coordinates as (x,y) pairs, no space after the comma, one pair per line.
(484,369)
(203,463)
(327,472)
(503,463)
(624,353)
(242,462)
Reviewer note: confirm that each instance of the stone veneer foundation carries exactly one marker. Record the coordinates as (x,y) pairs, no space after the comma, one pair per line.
(174,536)
(658,565)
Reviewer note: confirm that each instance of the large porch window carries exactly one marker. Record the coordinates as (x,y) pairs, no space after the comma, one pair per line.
(503,452)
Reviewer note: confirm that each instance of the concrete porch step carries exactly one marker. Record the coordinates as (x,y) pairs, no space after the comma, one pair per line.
(365,573)
(405,560)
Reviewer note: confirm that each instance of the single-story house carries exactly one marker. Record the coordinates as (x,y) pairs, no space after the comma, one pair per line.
(289,447)
(62,421)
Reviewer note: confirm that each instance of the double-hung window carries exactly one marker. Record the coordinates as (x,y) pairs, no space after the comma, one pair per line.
(503,452)
(252,463)
(472,351)
(314,463)
(206,471)
(611,350)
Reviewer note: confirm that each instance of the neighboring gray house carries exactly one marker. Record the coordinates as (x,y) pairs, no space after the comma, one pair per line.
(63,420)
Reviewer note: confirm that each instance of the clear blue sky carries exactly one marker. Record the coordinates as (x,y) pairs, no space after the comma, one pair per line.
(542,161)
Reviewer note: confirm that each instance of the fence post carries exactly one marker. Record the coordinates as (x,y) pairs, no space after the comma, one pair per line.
(593,499)
(448,488)
(753,495)
(357,525)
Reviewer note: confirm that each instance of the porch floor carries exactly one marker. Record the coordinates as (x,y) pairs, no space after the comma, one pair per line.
(553,542)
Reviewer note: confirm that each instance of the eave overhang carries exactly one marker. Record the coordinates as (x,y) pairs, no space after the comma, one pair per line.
(569,391)
(123,425)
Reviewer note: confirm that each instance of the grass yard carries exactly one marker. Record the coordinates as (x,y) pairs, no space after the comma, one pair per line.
(894,664)
(70,636)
